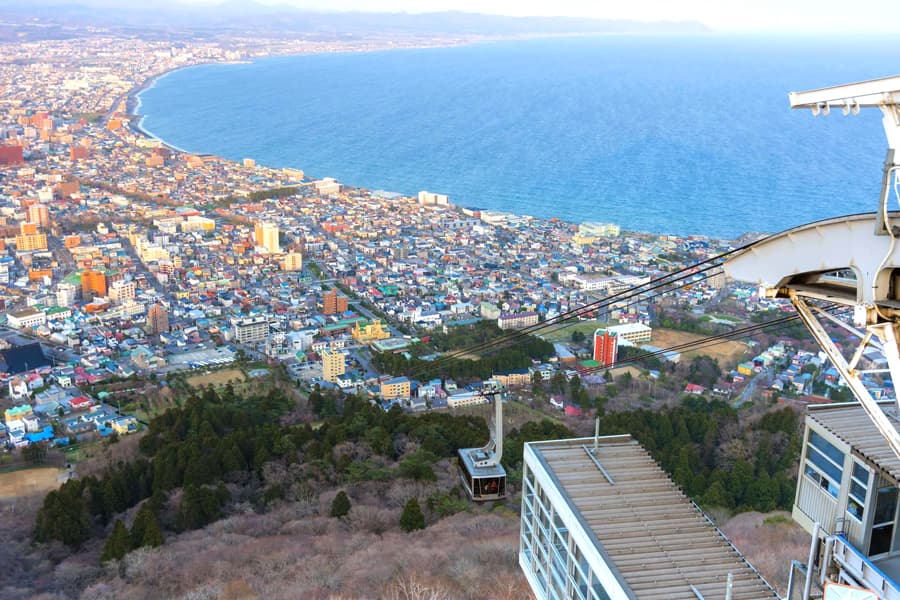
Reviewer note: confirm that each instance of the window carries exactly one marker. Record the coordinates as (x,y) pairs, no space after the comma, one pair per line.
(821,480)
(826,447)
(859,484)
(824,463)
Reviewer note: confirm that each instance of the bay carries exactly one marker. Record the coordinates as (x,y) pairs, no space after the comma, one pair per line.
(683,135)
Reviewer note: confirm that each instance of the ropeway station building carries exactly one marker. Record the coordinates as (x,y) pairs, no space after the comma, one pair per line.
(847,497)
(601,520)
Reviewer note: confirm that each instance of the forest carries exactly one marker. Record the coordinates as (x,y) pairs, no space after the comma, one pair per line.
(516,355)
(217,444)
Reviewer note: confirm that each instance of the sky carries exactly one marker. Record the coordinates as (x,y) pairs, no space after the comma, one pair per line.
(796,16)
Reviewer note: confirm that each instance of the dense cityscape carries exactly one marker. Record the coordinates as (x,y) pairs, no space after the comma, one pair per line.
(316,336)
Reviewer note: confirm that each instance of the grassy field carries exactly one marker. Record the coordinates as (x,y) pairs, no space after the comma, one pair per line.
(563,331)
(29,481)
(216,378)
(515,414)
(727,353)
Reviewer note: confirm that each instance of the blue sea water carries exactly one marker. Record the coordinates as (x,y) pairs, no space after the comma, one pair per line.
(686,135)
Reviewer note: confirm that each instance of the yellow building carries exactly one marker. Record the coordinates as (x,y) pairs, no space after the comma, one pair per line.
(30,238)
(266,236)
(198,223)
(333,365)
(293,261)
(397,387)
(17,413)
(124,425)
(370,332)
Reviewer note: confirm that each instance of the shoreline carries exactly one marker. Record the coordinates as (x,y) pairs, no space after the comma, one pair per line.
(136,120)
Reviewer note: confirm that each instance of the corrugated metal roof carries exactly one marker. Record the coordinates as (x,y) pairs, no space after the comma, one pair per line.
(660,541)
(850,423)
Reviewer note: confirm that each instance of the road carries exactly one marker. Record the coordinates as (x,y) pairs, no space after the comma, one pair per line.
(141,268)
(764,378)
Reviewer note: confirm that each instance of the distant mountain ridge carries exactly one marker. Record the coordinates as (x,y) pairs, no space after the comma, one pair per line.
(243,16)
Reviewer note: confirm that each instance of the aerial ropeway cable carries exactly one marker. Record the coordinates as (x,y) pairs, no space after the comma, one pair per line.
(636,294)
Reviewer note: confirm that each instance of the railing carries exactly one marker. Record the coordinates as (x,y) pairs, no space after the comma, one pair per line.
(861,568)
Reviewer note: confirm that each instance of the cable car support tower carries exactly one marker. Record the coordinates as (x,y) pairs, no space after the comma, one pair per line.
(851,261)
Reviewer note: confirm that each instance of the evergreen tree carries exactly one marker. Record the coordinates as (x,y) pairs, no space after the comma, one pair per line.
(412,517)
(145,531)
(340,506)
(117,544)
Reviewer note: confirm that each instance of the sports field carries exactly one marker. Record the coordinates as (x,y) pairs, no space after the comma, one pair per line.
(26,482)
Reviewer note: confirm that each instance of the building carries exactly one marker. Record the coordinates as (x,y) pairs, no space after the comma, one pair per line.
(293,261)
(606,347)
(517,320)
(430,198)
(849,484)
(40,215)
(334,304)
(121,290)
(266,236)
(333,365)
(600,520)
(398,387)
(157,319)
(598,230)
(11,155)
(250,329)
(634,333)
(93,283)
(198,223)
(30,239)
(66,293)
(26,318)
(370,332)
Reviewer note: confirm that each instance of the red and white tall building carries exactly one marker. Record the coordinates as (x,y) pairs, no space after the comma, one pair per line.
(606,346)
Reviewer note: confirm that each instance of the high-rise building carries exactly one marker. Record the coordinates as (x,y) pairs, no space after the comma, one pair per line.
(157,319)
(29,238)
(250,330)
(333,304)
(66,294)
(333,364)
(266,236)
(39,214)
(293,261)
(600,519)
(11,155)
(93,283)
(120,291)
(606,346)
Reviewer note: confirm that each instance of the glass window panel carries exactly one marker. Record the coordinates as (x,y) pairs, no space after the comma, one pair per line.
(825,465)
(857,491)
(854,509)
(827,448)
(861,473)
(886,505)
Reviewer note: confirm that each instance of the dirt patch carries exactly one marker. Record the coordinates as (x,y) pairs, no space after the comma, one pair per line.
(728,353)
(770,542)
(216,378)
(27,482)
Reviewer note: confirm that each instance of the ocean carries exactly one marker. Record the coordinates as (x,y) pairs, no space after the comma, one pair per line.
(681,135)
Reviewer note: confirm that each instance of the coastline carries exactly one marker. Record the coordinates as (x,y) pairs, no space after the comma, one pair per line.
(133,105)
(136,120)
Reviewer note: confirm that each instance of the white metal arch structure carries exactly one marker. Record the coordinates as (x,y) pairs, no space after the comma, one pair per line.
(852,261)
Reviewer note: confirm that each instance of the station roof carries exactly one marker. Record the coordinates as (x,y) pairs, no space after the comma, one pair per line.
(850,423)
(655,537)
